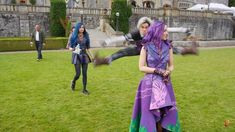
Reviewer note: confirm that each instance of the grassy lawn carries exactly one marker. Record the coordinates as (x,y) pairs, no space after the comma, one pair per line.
(36,96)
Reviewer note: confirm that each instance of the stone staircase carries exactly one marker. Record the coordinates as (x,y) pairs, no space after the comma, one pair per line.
(96,36)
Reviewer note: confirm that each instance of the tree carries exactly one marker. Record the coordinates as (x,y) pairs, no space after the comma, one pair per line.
(13,1)
(231,3)
(66,25)
(57,12)
(124,14)
(33,2)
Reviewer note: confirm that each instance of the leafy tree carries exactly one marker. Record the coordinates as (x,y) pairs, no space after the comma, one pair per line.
(231,2)
(124,14)
(57,12)
(13,1)
(33,2)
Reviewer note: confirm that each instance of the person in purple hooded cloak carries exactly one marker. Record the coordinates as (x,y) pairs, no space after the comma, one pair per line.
(155,105)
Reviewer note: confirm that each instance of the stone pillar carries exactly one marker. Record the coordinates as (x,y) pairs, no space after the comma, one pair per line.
(103,20)
(47,3)
(40,2)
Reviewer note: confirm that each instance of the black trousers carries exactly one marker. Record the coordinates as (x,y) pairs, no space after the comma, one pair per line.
(39,49)
(129,51)
(133,51)
(78,73)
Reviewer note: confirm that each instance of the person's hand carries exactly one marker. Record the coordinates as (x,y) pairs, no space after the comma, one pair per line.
(166,79)
(166,73)
(72,49)
(67,46)
(159,71)
(43,44)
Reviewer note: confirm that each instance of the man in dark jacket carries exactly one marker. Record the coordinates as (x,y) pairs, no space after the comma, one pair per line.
(136,36)
(39,40)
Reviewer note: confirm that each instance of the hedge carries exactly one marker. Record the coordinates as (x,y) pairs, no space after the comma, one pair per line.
(21,44)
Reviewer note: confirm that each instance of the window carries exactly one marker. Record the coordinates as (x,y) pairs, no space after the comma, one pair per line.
(23,1)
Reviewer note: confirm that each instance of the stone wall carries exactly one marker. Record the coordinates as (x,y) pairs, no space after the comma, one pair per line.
(9,25)
(205,28)
(19,20)
(27,2)
(208,26)
(105,4)
(90,16)
(14,24)
(90,21)
(225,2)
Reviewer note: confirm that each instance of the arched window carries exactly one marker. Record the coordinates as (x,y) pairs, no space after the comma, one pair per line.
(22,1)
(133,3)
(148,4)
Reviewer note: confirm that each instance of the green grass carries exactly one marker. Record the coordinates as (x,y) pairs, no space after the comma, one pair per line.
(36,96)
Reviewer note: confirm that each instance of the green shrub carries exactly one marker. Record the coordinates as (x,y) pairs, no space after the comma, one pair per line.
(231,2)
(33,2)
(19,44)
(13,1)
(124,14)
(57,12)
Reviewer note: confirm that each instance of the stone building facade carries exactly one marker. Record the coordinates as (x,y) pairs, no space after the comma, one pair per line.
(182,4)
(19,20)
(105,4)
(27,2)
(225,2)
(206,25)
(14,24)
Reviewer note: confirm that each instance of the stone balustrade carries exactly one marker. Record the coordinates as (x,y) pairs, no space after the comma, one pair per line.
(145,11)
(207,25)
(88,11)
(168,12)
(23,8)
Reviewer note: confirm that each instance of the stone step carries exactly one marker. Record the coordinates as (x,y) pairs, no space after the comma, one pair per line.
(96,36)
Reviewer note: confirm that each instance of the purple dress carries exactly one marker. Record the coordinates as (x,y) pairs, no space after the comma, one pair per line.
(155,99)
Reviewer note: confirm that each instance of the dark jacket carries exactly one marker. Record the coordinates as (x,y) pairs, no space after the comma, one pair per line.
(134,36)
(41,36)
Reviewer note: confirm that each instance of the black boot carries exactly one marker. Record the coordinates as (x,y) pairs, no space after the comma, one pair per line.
(100,61)
(73,85)
(85,91)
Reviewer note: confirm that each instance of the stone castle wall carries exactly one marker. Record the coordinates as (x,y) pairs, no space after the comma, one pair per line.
(208,26)
(19,25)
(19,21)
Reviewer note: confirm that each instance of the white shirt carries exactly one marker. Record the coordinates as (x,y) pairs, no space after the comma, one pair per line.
(37,36)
